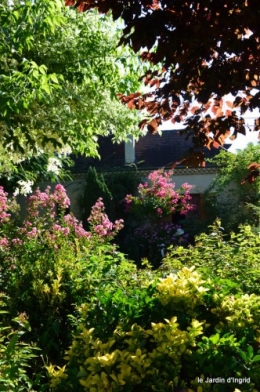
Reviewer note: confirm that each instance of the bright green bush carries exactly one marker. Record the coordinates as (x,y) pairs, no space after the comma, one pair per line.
(194,332)
(226,198)
(145,357)
(231,262)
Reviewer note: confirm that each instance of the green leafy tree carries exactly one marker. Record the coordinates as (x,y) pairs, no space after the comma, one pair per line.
(60,72)
(40,168)
(225,197)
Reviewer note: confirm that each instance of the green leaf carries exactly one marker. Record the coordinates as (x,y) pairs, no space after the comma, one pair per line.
(82,373)
(54,78)
(250,352)
(243,355)
(215,338)
(16,14)
(256,358)
(12,343)
(42,69)
(46,87)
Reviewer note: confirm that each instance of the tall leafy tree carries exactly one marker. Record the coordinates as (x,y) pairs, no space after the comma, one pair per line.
(59,73)
(209,56)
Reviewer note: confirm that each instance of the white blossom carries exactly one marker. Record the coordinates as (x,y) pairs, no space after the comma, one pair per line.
(65,150)
(54,165)
(25,187)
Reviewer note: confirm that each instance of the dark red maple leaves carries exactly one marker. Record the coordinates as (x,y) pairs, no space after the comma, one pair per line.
(194,159)
(254,172)
(206,52)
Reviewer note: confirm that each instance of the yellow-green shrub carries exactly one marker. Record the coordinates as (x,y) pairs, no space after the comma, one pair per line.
(240,312)
(174,349)
(147,357)
(183,290)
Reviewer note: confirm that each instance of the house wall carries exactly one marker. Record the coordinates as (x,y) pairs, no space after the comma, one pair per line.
(200,179)
(200,182)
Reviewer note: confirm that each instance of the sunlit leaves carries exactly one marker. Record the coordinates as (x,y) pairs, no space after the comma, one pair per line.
(59,74)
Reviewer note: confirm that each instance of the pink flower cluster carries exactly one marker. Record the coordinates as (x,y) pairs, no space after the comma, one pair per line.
(100,223)
(4,243)
(42,210)
(17,241)
(43,227)
(47,201)
(60,196)
(4,205)
(73,225)
(159,196)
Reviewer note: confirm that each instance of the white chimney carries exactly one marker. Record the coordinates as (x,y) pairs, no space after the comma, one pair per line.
(130,150)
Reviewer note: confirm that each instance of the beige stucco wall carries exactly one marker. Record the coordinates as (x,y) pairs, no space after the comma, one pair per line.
(200,182)
(75,191)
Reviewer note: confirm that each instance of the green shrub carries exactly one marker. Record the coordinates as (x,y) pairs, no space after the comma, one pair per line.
(16,356)
(124,328)
(193,331)
(231,262)
(226,198)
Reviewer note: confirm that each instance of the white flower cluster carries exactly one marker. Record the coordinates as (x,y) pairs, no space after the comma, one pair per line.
(54,165)
(24,188)
(65,150)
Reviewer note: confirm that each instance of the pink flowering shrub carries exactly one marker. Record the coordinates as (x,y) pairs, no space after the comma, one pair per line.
(46,231)
(4,206)
(100,224)
(47,260)
(43,204)
(42,222)
(8,207)
(43,226)
(157,197)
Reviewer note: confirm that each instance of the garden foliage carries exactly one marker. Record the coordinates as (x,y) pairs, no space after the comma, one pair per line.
(42,255)
(193,331)
(60,72)
(226,198)
(16,356)
(95,187)
(230,261)
(102,324)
